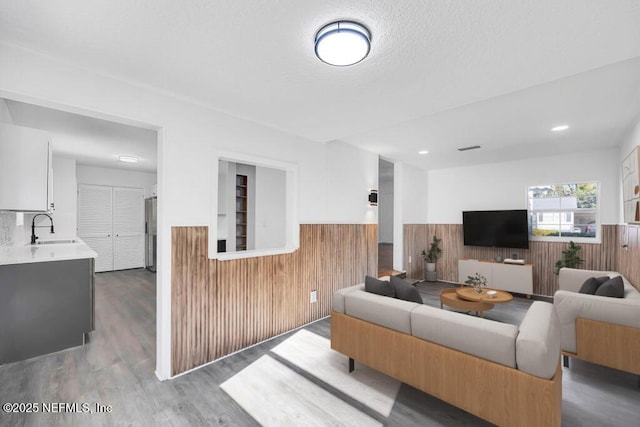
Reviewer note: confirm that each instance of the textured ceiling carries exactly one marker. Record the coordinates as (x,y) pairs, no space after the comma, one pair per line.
(440,72)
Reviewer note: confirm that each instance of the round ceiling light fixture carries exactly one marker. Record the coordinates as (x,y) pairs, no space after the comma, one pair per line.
(343,43)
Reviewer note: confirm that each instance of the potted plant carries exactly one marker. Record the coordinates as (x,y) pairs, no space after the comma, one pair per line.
(431,257)
(477,281)
(570,258)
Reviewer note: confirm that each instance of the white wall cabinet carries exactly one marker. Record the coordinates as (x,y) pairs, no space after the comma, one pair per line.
(631,186)
(111,222)
(506,277)
(26,179)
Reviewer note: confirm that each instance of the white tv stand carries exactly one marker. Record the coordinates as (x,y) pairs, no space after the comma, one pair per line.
(507,277)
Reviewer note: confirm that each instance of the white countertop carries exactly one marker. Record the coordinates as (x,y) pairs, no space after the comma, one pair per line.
(43,253)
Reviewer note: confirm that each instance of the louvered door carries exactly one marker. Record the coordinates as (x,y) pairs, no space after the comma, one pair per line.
(128,228)
(111,222)
(95,218)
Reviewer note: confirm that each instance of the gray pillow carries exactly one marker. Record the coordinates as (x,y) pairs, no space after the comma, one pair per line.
(591,285)
(405,291)
(612,288)
(377,286)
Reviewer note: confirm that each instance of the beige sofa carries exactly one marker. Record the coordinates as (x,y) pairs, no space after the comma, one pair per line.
(505,374)
(598,329)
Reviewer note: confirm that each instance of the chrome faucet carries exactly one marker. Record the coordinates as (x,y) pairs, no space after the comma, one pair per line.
(33,227)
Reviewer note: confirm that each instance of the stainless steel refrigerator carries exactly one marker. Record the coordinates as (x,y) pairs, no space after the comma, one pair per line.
(151,232)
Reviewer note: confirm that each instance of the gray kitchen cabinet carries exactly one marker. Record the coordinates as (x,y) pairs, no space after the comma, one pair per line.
(26,179)
(45,307)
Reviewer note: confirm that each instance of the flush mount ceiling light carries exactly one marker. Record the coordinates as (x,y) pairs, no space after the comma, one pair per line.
(343,43)
(560,128)
(423,152)
(128,159)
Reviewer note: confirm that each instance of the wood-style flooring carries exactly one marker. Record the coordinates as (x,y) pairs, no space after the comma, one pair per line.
(117,368)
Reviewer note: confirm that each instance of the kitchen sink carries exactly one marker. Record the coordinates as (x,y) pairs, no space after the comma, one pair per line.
(56,242)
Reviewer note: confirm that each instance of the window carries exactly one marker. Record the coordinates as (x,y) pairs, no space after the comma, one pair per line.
(564,212)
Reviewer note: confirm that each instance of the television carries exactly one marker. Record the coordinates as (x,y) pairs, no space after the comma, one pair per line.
(500,229)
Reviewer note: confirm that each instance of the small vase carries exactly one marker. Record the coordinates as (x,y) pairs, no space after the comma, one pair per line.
(478,289)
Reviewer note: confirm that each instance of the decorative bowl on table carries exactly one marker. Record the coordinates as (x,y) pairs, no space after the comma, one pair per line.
(491,294)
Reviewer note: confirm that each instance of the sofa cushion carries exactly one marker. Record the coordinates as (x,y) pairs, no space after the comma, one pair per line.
(388,312)
(405,291)
(611,288)
(571,279)
(379,287)
(591,285)
(538,342)
(338,296)
(483,338)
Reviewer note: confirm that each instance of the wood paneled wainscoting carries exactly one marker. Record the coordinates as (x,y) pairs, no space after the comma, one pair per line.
(609,255)
(219,307)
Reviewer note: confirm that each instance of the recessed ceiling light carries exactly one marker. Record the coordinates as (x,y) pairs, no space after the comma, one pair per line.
(423,152)
(128,159)
(342,43)
(560,128)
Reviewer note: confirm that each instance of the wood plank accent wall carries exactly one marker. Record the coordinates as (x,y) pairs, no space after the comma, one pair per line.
(219,307)
(543,255)
(628,259)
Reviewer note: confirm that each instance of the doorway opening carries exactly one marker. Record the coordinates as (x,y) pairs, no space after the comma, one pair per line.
(385,217)
(85,153)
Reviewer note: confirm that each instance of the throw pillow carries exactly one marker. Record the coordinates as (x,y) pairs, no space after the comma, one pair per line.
(591,285)
(405,291)
(377,286)
(612,288)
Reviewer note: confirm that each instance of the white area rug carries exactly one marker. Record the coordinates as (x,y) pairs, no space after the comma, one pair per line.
(274,395)
(313,353)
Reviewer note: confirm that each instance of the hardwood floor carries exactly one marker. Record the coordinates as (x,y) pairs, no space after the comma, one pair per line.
(117,368)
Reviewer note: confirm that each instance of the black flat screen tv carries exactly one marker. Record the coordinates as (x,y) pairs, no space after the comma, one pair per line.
(500,229)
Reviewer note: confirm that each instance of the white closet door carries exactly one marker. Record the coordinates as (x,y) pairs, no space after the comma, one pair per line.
(95,206)
(128,228)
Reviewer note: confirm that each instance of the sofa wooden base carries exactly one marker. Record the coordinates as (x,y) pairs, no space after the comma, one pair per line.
(496,393)
(606,344)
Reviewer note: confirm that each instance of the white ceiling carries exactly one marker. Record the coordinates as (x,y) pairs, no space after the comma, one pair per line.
(88,140)
(441,74)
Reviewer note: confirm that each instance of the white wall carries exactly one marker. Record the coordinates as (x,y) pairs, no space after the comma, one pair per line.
(385,201)
(415,195)
(65,197)
(115,177)
(270,222)
(504,185)
(223,196)
(350,175)
(332,191)
(5,115)
(631,140)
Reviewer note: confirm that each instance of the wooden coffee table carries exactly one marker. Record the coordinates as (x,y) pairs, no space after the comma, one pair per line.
(465,298)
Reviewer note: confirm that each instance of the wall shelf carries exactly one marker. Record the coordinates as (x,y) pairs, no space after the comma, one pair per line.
(241,212)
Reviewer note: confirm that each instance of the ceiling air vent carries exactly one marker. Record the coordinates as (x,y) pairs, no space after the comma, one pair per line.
(472,147)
